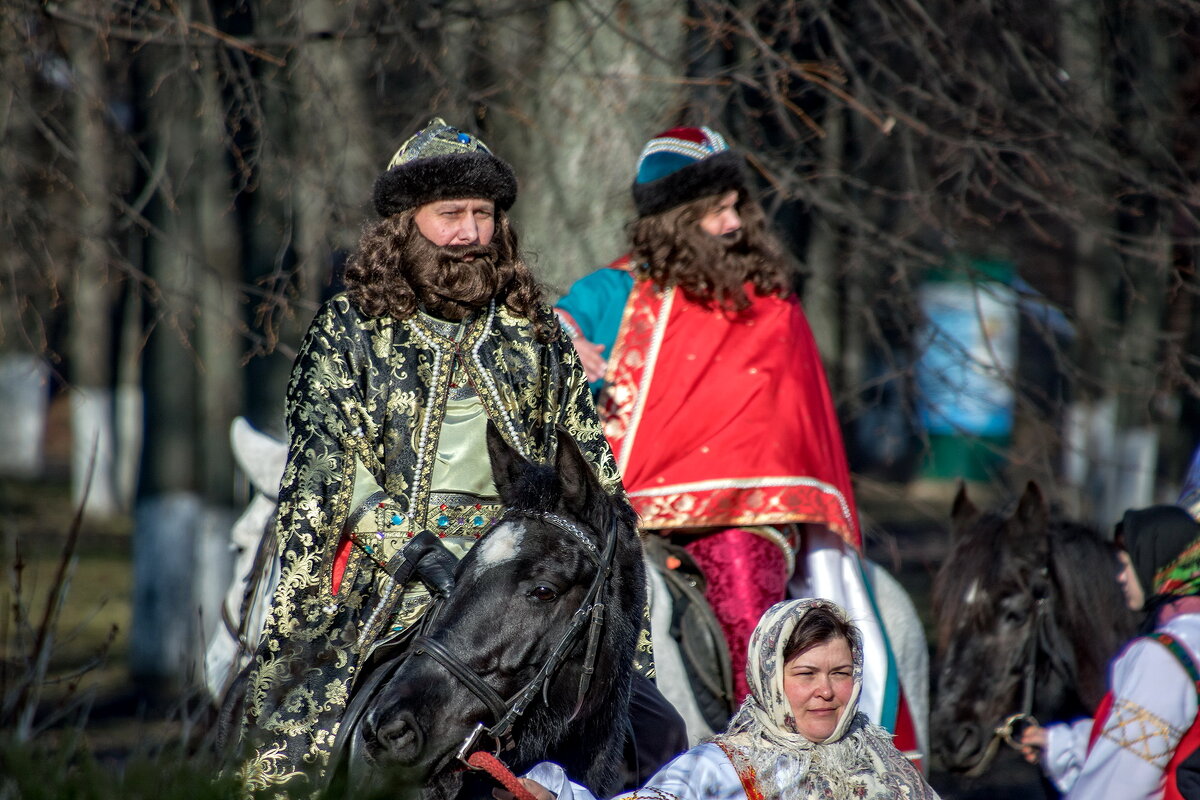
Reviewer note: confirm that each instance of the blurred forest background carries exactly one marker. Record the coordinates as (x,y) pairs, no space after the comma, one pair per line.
(993,204)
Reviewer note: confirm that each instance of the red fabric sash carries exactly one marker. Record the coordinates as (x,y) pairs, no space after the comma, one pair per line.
(1102,712)
(905,733)
(723,419)
(1189,744)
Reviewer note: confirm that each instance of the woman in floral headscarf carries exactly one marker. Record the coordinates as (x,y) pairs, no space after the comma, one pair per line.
(798,734)
(1144,742)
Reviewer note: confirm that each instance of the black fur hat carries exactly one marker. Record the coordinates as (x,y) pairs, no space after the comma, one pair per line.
(443,163)
(684,164)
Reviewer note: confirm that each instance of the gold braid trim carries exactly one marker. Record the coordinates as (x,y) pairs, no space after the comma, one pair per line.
(1142,733)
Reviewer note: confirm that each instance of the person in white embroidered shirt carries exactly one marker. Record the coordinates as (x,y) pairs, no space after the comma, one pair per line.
(798,734)
(1144,742)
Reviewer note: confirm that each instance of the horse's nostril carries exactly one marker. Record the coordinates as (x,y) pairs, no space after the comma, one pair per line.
(966,740)
(398,736)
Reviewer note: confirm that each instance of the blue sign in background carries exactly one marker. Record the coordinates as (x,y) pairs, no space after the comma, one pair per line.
(967,357)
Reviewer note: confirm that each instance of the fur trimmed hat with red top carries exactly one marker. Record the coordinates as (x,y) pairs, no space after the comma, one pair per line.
(685,164)
(441,162)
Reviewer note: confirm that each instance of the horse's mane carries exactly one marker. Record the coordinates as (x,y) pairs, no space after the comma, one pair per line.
(973,558)
(1091,609)
(538,487)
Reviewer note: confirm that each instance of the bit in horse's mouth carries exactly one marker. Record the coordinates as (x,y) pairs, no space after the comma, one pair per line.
(444,762)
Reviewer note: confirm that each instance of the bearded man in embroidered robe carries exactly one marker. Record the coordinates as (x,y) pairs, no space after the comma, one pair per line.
(714,398)
(441,329)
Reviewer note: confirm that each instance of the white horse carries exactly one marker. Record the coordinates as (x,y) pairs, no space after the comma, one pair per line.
(256,567)
(828,571)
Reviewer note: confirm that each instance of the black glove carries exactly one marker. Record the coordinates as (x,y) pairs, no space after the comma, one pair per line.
(427,558)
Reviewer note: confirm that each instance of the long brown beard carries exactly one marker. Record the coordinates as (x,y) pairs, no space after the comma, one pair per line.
(381,274)
(716,269)
(671,249)
(729,251)
(453,281)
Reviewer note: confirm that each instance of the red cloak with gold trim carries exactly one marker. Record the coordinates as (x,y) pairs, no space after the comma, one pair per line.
(723,418)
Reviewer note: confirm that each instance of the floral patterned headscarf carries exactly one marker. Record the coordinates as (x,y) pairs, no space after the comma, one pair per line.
(765,669)
(857,760)
(1164,544)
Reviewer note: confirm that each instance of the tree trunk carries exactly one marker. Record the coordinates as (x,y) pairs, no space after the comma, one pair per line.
(166,640)
(93,413)
(593,87)
(24,373)
(36,261)
(334,163)
(1090,433)
(822,258)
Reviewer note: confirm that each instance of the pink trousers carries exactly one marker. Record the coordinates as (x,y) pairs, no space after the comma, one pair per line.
(746,575)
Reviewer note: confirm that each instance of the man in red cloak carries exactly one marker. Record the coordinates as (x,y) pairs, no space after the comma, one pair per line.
(716,404)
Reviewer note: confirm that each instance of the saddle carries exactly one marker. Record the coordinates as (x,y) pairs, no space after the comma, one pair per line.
(695,627)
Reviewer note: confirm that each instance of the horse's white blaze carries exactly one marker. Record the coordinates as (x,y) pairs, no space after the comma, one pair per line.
(975,594)
(500,545)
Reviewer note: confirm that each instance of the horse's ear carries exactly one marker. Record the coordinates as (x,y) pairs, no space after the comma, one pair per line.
(963,512)
(507,464)
(578,479)
(1032,517)
(1031,509)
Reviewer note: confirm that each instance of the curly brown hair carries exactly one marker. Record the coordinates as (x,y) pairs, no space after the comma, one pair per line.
(671,249)
(396,270)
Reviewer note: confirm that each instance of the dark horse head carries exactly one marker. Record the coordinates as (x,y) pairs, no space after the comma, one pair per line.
(1028,613)
(520,601)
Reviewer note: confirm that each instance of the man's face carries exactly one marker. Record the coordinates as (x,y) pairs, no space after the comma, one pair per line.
(470,221)
(724,219)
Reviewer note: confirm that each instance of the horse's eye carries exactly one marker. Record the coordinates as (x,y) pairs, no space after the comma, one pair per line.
(1015,616)
(542,594)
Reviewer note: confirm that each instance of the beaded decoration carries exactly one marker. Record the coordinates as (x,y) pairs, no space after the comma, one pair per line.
(494,393)
(709,143)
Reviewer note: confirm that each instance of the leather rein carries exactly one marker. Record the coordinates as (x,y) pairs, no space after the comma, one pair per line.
(590,613)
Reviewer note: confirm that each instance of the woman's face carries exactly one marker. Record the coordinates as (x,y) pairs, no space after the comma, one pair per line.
(818,683)
(1135,598)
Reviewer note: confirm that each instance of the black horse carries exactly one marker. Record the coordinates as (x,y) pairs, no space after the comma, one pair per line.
(1028,613)
(531,652)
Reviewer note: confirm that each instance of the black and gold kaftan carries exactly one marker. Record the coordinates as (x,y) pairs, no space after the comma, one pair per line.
(366,406)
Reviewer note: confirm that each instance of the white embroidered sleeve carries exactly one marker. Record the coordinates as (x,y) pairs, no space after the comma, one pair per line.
(1066,749)
(702,773)
(1153,706)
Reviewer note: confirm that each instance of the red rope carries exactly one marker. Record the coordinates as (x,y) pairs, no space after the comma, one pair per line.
(494,767)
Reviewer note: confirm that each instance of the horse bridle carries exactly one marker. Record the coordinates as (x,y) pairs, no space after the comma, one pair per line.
(590,612)
(1009,727)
